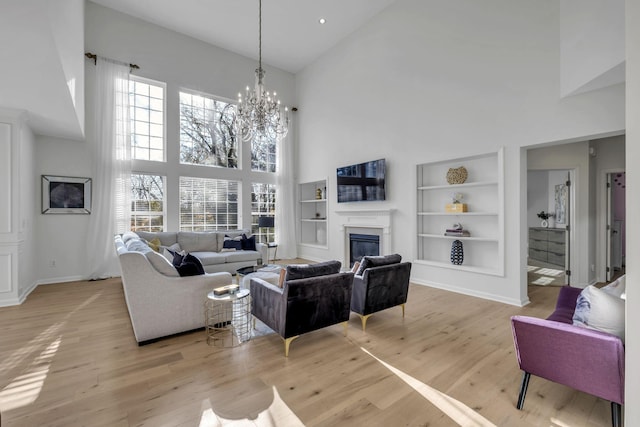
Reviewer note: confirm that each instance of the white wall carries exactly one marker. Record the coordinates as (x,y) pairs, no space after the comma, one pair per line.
(182,63)
(591,44)
(432,80)
(632,149)
(537,196)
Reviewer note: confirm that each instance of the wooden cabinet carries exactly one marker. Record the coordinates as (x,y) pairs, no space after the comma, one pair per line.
(482,192)
(313,213)
(547,245)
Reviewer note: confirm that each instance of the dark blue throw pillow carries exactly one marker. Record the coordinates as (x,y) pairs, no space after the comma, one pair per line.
(231,243)
(248,243)
(189,265)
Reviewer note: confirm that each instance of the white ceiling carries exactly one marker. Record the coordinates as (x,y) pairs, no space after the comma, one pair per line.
(291,35)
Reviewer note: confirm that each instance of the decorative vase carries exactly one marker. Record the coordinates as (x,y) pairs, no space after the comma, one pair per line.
(544,223)
(318,194)
(457,175)
(457,253)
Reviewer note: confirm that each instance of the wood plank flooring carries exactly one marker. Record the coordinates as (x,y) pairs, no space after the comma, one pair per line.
(68,358)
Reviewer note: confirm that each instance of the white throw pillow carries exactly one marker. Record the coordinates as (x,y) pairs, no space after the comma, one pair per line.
(617,288)
(168,255)
(161,264)
(597,309)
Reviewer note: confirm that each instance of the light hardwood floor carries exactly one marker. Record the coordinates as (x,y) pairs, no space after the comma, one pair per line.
(68,358)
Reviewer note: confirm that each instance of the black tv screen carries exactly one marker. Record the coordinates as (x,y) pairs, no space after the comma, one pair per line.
(361,182)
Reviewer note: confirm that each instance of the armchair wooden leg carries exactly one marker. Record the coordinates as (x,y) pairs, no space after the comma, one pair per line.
(523,389)
(616,414)
(344,325)
(402,309)
(287,343)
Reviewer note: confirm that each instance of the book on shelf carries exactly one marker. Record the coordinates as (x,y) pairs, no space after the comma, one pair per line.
(457,233)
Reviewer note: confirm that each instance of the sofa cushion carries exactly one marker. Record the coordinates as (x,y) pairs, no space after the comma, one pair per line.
(154,244)
(190,266)
(304,271)
(202,241)
(161,264)
(377,261)
(617,288)
(167,238)
(211,258)
(596,309)
(239,256)
(128,236)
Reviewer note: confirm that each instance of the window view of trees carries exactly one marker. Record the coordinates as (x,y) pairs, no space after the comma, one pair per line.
(263,154)
(263,203)
(147,202)
(208,204)
(146,111)
(207,131)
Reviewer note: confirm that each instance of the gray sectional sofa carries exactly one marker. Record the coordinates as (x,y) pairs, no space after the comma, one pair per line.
(207,246)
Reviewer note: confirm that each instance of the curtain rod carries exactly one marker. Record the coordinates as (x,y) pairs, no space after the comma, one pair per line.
(95,60)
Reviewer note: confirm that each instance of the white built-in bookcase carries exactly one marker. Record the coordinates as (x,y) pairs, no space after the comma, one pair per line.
(484,195)
(313,214)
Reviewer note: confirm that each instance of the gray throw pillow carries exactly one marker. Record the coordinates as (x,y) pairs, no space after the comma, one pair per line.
(377,261)
(304,271)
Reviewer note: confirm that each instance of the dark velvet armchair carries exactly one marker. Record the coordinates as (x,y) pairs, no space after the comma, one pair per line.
(584,359)
(380,282)
(311,297)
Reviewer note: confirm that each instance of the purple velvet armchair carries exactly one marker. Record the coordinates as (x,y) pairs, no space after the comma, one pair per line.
(586,360)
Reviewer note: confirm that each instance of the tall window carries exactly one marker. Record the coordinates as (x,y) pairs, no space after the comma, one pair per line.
(207,132)
(147,202)
(263,203)
(263,154)
(146,100)
(208,204)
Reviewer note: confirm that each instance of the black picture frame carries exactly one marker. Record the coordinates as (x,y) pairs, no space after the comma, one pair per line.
(66,195)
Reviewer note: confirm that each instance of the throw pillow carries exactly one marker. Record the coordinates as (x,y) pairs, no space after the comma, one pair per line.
(154,244)
(190,266)
(161,264)
(283,274)
(596,309)
(248,243)
(617,288)
(232,243)
(356,266)
(304,271)
(169,251)
(377,261)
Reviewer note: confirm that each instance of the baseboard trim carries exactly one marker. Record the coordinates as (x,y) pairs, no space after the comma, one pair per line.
(464,291)
(55,280)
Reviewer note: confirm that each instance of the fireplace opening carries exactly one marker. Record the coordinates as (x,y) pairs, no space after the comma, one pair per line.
(361,245)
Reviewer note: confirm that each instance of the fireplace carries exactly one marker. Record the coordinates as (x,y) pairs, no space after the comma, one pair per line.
(361,245)
(373,222)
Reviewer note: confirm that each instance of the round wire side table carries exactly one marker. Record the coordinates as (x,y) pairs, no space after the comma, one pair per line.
(228,318)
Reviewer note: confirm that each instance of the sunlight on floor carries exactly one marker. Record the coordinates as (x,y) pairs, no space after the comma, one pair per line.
(454,409)
(277,414)
(25,388)
(542,281)
(550,272)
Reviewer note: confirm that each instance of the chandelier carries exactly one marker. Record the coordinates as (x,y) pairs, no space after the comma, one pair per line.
(259,111)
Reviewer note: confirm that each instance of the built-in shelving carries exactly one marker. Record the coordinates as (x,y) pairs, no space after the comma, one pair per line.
(483,194)
(313,213)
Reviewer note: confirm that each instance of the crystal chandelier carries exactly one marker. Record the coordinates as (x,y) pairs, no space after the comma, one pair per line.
(259,112)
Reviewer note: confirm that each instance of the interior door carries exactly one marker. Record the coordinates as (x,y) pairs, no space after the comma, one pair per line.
(609,230)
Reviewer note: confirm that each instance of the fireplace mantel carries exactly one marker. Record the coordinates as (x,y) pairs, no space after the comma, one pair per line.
(374,221)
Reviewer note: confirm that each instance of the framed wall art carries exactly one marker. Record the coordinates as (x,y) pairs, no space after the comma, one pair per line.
(66,195)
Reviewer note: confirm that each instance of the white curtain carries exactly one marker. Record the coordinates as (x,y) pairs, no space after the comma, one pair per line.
(111,211)
(285,198)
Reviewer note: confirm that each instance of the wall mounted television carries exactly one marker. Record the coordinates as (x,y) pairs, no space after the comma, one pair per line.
(362,182)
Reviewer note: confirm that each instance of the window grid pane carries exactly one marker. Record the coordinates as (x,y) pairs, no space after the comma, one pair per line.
(147,120)
(207,131)
(208,204)
(147,202)
(263,203)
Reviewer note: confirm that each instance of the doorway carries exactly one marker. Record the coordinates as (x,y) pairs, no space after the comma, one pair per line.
(548,216)
(615,225)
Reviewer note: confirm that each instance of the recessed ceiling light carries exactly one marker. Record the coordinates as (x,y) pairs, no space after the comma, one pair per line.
(322,20)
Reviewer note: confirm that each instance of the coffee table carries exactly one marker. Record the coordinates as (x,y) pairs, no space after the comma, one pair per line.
(269,273)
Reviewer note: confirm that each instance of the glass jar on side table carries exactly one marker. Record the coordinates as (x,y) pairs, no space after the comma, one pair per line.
(228,318)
